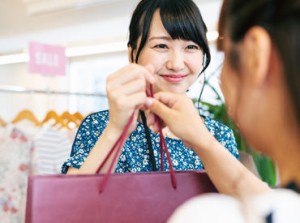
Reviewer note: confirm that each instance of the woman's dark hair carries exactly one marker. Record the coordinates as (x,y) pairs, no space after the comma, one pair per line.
(281,19)
(181,19)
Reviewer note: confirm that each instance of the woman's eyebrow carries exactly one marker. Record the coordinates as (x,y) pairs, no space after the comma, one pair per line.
(159,38)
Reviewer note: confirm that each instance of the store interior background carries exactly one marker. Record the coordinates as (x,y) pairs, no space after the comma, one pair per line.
(95,32)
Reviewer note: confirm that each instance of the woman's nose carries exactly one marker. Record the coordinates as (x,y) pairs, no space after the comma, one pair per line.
(175,61)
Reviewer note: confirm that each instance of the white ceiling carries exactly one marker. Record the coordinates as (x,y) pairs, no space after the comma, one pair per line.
(73,22)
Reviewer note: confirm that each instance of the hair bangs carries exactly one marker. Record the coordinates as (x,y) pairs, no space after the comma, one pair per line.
(179,21)
(178,27)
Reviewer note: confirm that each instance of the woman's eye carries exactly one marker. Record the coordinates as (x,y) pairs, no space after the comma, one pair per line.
(161,46)
(192,47)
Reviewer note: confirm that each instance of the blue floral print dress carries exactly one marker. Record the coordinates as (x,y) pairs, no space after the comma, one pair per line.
(135,155)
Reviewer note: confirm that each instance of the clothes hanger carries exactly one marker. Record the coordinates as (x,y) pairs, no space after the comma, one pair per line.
(69,118)
(79,116)
(52,115)
(26,115)
(2,122)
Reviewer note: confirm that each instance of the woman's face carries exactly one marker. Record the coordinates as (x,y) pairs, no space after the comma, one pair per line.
(177,63)
(248,97)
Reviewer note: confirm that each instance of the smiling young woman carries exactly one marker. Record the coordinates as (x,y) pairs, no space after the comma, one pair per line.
(167,48)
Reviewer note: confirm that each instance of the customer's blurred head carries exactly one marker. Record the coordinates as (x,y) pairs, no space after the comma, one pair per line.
(260,78)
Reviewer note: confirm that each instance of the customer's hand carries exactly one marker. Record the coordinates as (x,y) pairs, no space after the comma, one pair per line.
(177,111)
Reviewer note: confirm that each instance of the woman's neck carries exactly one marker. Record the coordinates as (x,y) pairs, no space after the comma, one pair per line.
(289,172)
(288,159)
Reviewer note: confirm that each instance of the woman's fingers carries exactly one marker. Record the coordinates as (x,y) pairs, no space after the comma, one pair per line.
(158,108)
(150,74)
(128,74)
(162,105)
(152,122)
(177,112)
(126,91)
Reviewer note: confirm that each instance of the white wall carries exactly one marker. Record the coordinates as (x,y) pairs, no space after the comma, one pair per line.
(17,75)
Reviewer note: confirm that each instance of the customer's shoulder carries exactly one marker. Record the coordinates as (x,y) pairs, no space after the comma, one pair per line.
(283,193)
(283,203)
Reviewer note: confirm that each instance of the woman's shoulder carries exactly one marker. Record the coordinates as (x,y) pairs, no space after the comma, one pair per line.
(214,124)
(279,195)
(218,129)
(98,115)
(223,134)
(94,119)
(280,205)
(91,128)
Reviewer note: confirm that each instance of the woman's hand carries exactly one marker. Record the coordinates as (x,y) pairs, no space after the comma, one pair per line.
(177,111)
(126,93)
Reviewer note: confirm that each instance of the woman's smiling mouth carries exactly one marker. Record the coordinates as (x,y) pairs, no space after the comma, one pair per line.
(173,78)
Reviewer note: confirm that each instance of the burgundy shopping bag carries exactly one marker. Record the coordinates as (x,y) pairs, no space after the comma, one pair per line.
(128,197)
(131,197)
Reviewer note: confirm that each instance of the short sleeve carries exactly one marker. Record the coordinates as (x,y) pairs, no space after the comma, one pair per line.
(86,137)
(224,135)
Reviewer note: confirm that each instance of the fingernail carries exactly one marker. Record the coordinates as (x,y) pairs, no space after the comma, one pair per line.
(149,102)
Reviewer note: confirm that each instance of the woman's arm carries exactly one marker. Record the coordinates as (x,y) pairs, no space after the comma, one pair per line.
(126,93)
(98,153)
(227,173)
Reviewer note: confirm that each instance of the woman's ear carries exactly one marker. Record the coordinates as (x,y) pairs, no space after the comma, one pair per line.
(257,52)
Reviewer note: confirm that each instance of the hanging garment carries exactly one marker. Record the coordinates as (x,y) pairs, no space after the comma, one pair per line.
(51,148)
(15,159)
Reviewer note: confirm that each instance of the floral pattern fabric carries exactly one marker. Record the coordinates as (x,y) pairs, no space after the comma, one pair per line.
(135,154)
(15,149)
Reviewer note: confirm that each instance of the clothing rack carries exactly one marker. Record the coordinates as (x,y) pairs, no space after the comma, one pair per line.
(23,90)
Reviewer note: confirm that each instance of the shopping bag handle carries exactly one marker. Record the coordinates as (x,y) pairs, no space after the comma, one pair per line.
(119,143)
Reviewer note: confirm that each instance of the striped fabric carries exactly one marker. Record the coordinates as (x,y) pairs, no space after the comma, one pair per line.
(51,149)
